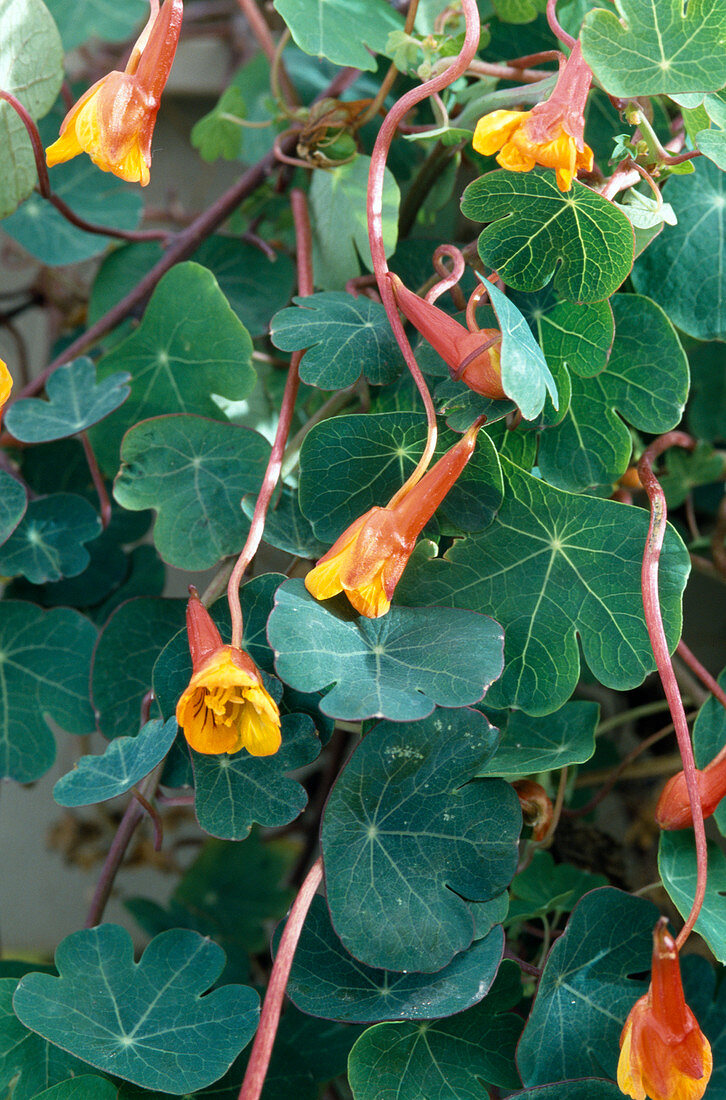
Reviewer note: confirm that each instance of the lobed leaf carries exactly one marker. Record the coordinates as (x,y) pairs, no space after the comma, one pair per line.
(340,29)
(48,543)
(28,1064)
(75,402)
(677,868)
(530,745)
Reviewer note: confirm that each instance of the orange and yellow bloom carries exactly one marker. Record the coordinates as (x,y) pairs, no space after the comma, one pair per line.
(226,706)
(472,357)
(6,384)
(114,120)
(664,1055)
(551,134)
(368,559)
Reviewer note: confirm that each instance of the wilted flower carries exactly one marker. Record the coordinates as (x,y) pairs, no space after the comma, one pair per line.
(664,1054)
(368,559)
(674,810)
(114,120)
(551,134)
(226,707)
(472,357)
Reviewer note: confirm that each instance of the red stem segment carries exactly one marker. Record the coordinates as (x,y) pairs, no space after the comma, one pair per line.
(98,482)
(375,212)
(272,1007)
(305,284)
(555,26)
(702,673)
(654,623)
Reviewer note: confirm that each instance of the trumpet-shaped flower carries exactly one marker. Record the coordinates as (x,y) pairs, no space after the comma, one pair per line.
(551,134)
(664,1055)
(226,707)
(472,357)
(114,120)
(674,809)
(368,559)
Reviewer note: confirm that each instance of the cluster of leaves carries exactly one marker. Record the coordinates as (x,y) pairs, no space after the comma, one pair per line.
(525,589)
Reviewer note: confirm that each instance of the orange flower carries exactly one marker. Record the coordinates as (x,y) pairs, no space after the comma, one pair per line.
(551,134)
(664,1054)
(368,559)
(6,384)
(226,707)
(114,120)
(674,810)
(472,357)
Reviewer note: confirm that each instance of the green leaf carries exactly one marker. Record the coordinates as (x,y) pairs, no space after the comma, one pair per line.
(707,407)
(345,336)
(687,470)
(382,667)
(145,1022)
(586,991)
(405,834)
(129,644)
(340,29)
(125,761)
(188,346)
(193,472)
(709,737)
(217,135)
(45,660)
(79,20)
(99,197)
(646,381)
(677,868)
(648,48)
(28,1065)
(31,69)
(529,745)
(544,886)
(48,542)
(538,232)
(573,335)
(350,463)
(13,502)
(550,567)
(87,1086)
(326,981)
(286,528)
(75,402)
(590,1088)
(519,11)
(338,207)
(234,792)
(682,269)
(526,378)
(448,1060)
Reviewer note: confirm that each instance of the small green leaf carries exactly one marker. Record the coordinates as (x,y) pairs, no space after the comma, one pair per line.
(29,1065)
(48,542)
(145,1022)
(519,11)
(75,402)
(344,336)
(538,232)
(586,991)
(340,29)
(44,671)
(338,207)
(682,270)
(406,837)
(79,20)
(130,642)
(13,502)
(234,792)
(687,470)
(526,378)
(382,667)
(350,463)
(707,407)
(573,335)
(530,745)
(219,134)
(86,1086)
(544,886)
(188,346)
(449,1059)
(677,867)
(125,761)
(193,472)
(31,69)
(550,567)
(648,48)
(326,981)
(645,381)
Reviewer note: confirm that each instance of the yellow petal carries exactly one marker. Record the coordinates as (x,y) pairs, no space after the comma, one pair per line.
(369,599)
(323,581)
(627,1082)
(513,158)
(6,383)
(494,129)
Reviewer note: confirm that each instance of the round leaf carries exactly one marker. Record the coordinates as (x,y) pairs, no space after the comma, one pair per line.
(29,1065)
(75,402)
(530,745)
(677,867)
(405,834)
(340,29)
(48,542)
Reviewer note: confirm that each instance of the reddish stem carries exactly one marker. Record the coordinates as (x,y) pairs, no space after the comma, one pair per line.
(98,482)
(557,29)
(448,279)
(375,213)
(656,633)
(270,1016)
(298,203)
(702,673)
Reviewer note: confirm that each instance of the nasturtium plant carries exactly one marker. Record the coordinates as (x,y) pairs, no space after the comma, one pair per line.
(361,499)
